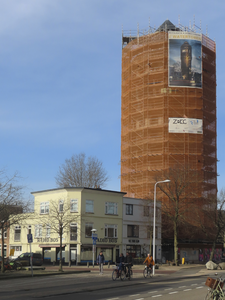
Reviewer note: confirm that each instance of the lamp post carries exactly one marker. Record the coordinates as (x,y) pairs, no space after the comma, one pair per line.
(164,181)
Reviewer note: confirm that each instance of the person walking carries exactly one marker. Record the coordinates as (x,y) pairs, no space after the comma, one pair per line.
(101,262)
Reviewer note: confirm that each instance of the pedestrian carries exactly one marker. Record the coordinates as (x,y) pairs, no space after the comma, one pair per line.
(101,262)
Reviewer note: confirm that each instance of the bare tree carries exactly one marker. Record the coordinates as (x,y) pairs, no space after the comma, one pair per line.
(212,219)
(79,172)
(60,221)
(182,193)
(13,209)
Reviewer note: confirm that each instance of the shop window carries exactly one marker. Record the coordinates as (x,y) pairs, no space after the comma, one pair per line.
(17,233)
(111,208)
(44,208)
(88,228)
(89,206)
(111,231)
(74,205)
(73,231)
(132,231)
(38,231)
(129,209)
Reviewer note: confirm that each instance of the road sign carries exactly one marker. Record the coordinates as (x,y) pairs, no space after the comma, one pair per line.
(94,242)
(94,235)
(30,238)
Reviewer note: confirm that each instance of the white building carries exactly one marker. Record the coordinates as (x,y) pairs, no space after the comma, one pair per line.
(137,227)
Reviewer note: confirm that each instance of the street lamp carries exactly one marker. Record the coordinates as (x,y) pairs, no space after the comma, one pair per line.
(164,181)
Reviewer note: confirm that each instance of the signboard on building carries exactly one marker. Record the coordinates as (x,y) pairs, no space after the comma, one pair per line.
(185,59)
(185,125)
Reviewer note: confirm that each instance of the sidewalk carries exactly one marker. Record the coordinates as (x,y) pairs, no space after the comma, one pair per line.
(137,269)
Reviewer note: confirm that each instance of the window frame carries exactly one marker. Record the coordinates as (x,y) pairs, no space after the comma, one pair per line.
(109,206)
(129,212)
(46,208)
(38,229)
(61,206)
(92,225)
(91,202)
(18,227)
(72,202)
(133,231)
(48,230)
(73,225)
(115,230)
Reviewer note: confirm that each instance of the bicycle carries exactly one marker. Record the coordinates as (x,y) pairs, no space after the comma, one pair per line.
(116,274)
(216,288)
(147,273)
(128,270)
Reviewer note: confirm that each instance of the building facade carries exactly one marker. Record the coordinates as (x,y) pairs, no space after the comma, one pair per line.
(137,227)
(79,210)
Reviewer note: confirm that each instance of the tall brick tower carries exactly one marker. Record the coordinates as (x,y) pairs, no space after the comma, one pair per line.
(168,110)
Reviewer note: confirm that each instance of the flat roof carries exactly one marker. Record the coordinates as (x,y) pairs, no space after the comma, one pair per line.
(79,188)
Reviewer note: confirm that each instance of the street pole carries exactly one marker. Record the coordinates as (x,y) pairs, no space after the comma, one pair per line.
(154,216)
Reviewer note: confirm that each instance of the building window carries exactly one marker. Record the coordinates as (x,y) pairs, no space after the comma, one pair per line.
(132,231)
(38,231)
(61,203)
(5,236)
(88,228)
(5,250)
(74,205)
(129,209)
(17,233)
(146,211)
(73,231)
(89,206)
(111,208)
(111,231)
(16,248)
(44,208)
(29,229)
(48,230)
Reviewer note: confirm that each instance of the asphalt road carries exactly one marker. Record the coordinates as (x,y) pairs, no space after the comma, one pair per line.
(184,284)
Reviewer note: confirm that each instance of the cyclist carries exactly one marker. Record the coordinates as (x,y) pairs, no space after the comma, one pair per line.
(149,261)
(121,263)
(128,261)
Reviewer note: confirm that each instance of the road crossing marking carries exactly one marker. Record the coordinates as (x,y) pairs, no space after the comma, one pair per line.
(199,287)
(134,295)
(187,290)
(156,296)
(173,292)
(194,284)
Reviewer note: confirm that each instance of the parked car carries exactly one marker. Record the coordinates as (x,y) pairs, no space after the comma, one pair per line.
(24,259)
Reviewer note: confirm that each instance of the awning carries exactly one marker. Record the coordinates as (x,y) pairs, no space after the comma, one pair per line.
(50,245)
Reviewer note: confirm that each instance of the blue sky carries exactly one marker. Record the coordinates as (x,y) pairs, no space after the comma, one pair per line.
(60,79)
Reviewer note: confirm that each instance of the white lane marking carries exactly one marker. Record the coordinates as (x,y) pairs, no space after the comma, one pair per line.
(113,299)
(199,287)
(140,299)
(180,287)
(153,292)
(134,295)
(187,290)
(173,293)
(156,296)
(168,289)
(194,284)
